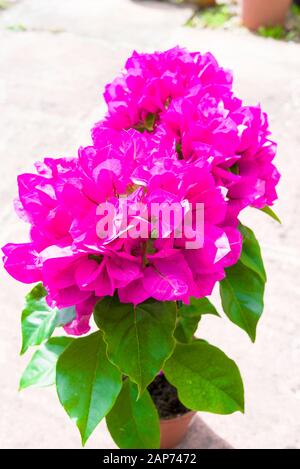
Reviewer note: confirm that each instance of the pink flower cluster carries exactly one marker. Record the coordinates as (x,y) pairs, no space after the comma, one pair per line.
(174,132)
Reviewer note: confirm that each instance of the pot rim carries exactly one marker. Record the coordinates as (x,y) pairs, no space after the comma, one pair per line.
(185,416)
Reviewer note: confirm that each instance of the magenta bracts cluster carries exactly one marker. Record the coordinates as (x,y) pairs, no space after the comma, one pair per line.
(174,131)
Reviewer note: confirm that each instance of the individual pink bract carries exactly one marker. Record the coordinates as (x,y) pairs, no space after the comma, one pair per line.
(174,132)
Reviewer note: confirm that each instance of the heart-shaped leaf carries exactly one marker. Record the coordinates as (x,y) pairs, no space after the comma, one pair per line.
(40,371)
(242,295)
(205,378)
(39,320)
(134,423)
(87,382)
(189,317)
(251,254)
(139,339)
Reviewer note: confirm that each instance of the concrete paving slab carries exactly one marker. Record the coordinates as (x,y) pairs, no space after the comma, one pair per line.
(143,24)
(51,79)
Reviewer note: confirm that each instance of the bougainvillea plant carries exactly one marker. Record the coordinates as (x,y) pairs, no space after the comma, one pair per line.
(174,135)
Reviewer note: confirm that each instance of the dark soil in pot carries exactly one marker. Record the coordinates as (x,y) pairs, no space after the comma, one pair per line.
(165,398)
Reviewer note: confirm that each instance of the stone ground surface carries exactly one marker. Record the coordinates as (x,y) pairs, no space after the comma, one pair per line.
(55,57)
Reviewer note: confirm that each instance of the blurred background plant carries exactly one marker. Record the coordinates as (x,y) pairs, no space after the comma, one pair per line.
(220,15)
(4,4)
(226,15)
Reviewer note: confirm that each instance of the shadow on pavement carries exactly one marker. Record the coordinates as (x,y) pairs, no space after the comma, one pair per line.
(201,436)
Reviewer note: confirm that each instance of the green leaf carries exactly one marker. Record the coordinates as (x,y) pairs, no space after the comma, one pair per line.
(150,121)
(147,124)
(271,213)
(251,254)
(65,316)
(39,320)
(139,339)
(87,383)
(36,293)
(134,423)
(242,294)
(189,317)
(205,378)
(40,371)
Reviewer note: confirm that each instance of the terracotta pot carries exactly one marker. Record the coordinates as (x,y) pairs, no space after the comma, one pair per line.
(172,431)
(203,3)
(256,13)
